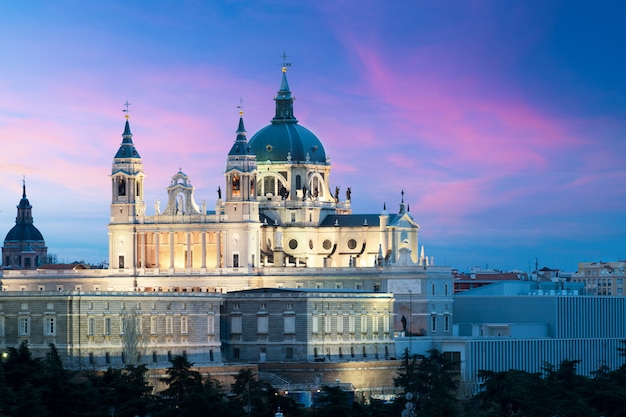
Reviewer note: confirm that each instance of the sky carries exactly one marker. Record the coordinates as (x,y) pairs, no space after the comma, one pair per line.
(504,122)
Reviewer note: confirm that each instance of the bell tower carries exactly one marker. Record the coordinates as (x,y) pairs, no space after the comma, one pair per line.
(240,176)
(241,209)
(127,204)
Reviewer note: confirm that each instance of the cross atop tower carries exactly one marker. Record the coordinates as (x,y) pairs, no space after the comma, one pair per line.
(126,110)
(240,106)
(285,63)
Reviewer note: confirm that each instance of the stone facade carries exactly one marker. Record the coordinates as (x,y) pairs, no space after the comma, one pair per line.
(295,325)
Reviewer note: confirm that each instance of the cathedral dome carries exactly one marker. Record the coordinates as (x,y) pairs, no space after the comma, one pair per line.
(284,139)
(281,142)
(24,233)
(24,230)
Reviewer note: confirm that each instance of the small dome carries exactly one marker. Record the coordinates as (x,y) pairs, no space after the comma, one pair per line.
(281,142)
(24,232)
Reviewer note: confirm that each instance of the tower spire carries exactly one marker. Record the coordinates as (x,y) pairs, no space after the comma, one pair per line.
(284,100)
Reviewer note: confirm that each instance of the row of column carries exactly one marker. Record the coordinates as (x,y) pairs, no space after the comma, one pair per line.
(142,245)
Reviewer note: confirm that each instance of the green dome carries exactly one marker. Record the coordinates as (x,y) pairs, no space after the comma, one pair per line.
(285,140)
(278,141)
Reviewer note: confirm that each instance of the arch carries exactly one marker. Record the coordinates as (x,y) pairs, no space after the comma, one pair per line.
(270,184)
(317,185)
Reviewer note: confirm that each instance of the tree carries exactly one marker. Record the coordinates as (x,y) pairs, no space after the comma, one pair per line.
(432,381)
(510,393)
(332,402)
(133,342)
(183,382)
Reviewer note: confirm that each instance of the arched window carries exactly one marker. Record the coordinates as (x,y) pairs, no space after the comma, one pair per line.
(269,185)
(121,187)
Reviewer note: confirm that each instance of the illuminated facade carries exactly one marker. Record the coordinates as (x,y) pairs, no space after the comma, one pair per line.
(277,224)
(277,210)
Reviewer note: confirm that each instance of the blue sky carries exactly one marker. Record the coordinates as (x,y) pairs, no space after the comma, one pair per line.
(504,122)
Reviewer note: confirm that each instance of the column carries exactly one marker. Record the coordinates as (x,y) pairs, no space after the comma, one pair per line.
(218,250)
(143,250)
(188,250)
(156,249)
(203,239)
(171,250)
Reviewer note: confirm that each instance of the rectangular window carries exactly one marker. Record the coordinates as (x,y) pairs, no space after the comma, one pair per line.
(155,357)
(184,324)
(363,323)
(432,287)
(211,324)
(445,289)
(107,326)
(351,324)
(290,324)
(91,326)
(375,324)
(1,326)
(235,353)
(24,326)
(262,324)
(327,324)
(169,325)
(121,262)
(153,324)
(92,360)
(386,324)
(235,324)
(50,326)
(107,357)
(289,353)
(433,323)
(122,324)
(339,324)
(211,357)
(340,353)
(315,324)
(235,260)
(446,323)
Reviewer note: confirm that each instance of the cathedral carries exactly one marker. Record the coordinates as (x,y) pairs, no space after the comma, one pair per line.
(277,269)
(277,208)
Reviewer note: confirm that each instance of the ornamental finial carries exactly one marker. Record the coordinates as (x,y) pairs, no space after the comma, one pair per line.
(285,63)
(126,110)
(240,106)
